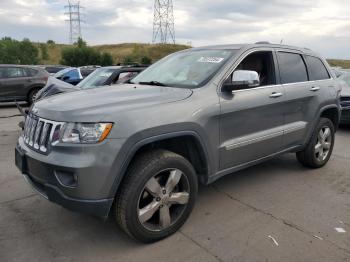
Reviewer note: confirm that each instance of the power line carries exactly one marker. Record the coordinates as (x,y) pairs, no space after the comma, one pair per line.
(163,22)
(74,15)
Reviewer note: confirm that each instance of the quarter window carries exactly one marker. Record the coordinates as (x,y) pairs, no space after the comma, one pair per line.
(317,70)
(292,68)
(31,72)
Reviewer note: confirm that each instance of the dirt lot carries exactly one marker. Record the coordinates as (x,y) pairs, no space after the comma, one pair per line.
(277,211)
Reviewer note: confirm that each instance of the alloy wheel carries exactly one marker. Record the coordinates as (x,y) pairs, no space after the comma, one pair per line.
(323,144)
(163,200)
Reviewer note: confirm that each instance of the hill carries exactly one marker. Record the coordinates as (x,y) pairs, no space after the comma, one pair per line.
(130,52)
(133,52)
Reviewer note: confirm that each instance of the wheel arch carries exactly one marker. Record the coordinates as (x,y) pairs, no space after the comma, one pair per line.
(332,113)
(32,88)
(194,150)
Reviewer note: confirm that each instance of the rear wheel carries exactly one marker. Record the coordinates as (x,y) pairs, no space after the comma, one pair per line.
(320,148)
(157,196)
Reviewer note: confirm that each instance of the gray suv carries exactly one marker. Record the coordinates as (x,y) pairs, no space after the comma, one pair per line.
(21,83)
(136,152)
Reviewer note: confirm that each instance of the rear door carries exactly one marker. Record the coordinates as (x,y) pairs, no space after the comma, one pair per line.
(13,83)
(2,83)
(303,97)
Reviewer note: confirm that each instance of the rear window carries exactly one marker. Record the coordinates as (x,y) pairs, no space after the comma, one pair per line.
(125,76)
(292,68)
(86,72)
(317,70)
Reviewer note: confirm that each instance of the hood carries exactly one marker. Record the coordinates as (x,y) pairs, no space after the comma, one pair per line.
(54,87)
(104,104)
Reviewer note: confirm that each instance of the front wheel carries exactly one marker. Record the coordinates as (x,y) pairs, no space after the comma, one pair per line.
(320,148)
(32,96)
(157,196)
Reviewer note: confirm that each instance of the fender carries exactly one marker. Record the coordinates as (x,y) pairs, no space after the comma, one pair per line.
(136,146)
(318,116)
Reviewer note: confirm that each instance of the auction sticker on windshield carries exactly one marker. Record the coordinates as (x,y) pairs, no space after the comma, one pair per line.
(215,60)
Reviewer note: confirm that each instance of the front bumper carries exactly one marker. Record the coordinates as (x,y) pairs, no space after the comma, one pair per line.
(76,177)
(99,208)
(345,116)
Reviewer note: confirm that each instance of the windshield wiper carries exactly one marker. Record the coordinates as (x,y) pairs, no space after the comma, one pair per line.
(152,83)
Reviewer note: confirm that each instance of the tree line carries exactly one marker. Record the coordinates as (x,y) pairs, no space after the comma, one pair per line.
(25,52)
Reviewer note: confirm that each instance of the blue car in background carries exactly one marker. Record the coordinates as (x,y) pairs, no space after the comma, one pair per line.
(73,75)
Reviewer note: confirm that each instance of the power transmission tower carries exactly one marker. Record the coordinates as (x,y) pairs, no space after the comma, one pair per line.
(73,12)
(163,22)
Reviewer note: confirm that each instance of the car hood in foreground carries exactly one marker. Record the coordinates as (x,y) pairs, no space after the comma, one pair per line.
(104,104)
(345,91)
(55,86)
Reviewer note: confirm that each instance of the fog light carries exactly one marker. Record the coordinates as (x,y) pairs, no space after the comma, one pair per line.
(66,179)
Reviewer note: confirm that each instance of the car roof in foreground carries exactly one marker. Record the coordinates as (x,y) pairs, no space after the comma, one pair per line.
(244,47)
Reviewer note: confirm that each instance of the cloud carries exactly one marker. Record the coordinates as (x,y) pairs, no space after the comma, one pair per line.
(321,25)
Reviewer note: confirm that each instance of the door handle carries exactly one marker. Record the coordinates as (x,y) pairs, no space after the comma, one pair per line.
(314,89)
(276,95)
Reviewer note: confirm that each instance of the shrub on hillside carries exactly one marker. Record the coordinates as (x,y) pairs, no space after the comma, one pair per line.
(44,53)
(82,55)
(146,60)
(17,52)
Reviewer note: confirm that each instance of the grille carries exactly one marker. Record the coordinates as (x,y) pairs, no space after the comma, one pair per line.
(345,101)
(39,134)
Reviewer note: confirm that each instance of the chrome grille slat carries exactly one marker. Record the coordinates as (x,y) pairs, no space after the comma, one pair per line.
(32,131)
(38,132)
(29,124)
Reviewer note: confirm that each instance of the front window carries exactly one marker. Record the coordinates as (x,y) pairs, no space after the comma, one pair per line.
(97,78)
(189,69)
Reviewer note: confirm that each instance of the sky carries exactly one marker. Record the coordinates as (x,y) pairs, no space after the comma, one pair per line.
(321,25)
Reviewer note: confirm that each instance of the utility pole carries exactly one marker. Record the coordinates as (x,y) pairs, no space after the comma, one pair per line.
(163,22)
(73,13)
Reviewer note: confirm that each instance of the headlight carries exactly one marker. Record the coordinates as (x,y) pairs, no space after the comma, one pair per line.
(85,133)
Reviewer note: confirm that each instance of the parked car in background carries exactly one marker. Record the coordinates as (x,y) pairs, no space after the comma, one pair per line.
(21,83)
(55,86)
(52,69)
(136,152)
(110,75)
(103,76)
(73,75)
(344,78)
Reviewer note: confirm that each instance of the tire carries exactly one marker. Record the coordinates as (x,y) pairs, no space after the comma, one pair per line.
(139,190)
(310,156)
(32,96)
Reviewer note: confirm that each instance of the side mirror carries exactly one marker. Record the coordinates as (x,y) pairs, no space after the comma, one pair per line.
(65,78)
(242,79)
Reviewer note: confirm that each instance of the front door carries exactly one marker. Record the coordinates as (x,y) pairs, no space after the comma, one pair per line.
(251,125)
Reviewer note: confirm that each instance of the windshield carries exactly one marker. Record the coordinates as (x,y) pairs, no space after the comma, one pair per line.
(97,78)
(190,69)
(345,76)
(62,72)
